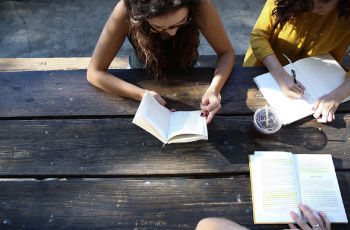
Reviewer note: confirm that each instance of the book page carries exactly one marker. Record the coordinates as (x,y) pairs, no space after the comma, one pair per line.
(323,73)
(152,114)
(274,187)
(319,185)
(187,138)
(291,109)
(187,123)
(141,122)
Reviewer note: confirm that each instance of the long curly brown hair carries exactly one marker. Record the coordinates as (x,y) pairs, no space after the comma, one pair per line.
(286,10)
(153,51)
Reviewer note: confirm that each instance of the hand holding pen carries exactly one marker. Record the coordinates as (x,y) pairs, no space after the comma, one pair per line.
(289,84)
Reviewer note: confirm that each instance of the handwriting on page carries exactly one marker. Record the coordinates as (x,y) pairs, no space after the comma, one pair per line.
(307,97)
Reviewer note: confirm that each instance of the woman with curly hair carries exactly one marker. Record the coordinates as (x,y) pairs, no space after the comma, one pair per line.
(165,38)
(299,29)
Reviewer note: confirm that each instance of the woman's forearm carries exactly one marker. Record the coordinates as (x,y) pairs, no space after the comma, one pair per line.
(343,90)
(275,68)
(223,68)
(114,85)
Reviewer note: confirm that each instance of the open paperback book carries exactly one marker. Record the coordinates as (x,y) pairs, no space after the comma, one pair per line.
(319,74)
(167,126)
(281,180)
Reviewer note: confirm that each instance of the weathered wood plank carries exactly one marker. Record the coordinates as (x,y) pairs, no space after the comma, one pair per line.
(168,203)
(116,147)
(45,64)
(346,62)
(68,93)
(75,63)
(210,60)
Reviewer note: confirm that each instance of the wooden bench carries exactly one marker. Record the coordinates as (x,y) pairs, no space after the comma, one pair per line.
(43,64)
(111,174)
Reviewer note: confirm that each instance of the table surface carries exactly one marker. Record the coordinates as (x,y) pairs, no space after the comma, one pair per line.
(71,158)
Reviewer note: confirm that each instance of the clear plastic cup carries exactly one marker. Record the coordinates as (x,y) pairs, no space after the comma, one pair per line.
(267,120)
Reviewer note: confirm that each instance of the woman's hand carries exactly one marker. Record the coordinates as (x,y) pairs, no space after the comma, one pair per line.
(210,105)
(317,220)
(289,88)
(325,107)
(158,98)
(285,81)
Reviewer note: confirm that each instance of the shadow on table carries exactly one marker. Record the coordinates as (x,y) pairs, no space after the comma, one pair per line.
(236,141)
(310,138)
(180,106)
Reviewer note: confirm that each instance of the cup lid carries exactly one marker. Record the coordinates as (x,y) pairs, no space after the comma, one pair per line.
(267,119)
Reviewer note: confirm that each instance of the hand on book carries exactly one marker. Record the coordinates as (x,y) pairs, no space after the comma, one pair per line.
(210,105)
(325,107)
(317,220)
(289,88)
(158,98)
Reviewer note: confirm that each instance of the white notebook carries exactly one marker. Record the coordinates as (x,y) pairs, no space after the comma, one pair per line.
(319,74)
(281,180)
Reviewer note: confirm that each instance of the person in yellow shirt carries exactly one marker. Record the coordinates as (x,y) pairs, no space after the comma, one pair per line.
(299,29)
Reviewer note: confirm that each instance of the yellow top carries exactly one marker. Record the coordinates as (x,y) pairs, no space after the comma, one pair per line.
(309,35)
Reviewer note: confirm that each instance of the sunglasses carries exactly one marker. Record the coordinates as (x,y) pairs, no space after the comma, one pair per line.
(154,30)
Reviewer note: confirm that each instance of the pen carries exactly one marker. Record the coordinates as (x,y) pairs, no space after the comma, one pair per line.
(294,76)
(293,71)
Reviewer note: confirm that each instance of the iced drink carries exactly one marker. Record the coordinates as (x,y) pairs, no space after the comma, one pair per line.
(267,120)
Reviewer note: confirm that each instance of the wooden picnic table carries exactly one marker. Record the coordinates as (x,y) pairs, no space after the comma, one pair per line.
(70,158)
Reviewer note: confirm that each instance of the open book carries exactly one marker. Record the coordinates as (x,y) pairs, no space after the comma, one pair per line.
(167,126)
(319,74)
(281,180)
